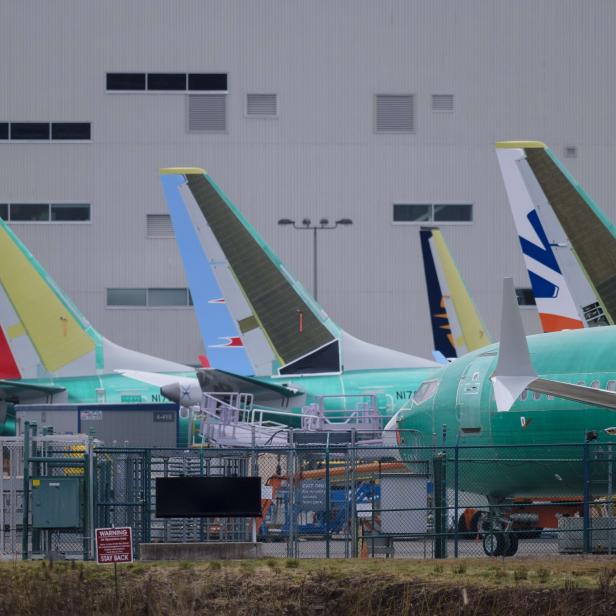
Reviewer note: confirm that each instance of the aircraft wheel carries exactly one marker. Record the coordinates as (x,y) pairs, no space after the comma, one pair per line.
(513,544)
(495,543)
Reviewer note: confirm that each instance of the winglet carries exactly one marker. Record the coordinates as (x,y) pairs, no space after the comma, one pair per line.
(503,145)
(182,171)
(514,370)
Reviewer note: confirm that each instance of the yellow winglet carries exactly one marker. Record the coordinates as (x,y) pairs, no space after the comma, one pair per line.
(183,171)
(520,144)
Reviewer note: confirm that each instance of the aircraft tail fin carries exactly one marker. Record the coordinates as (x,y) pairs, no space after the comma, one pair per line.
(42,332)
(284,330)
(456,325)
(568,245)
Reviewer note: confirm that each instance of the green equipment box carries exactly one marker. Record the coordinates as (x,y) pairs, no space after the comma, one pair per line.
(56,502)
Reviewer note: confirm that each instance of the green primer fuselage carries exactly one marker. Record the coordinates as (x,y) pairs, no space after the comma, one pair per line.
(464,402)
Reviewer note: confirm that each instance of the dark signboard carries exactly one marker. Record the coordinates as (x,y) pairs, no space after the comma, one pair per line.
(194,497)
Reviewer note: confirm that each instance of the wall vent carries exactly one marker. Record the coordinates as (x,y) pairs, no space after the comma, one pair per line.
(261,105)
(442,102)
(207,113)
(395,113)
(159,225)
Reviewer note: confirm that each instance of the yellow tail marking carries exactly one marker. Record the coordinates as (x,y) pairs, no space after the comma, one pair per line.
(15,331)
(473,330)
(57,337)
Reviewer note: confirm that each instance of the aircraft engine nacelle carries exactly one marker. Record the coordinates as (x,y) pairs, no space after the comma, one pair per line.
(184,393)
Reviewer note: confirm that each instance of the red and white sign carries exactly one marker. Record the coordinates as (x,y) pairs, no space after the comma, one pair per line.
(114,545)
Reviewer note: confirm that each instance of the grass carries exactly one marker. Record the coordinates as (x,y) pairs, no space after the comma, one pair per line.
(567,585)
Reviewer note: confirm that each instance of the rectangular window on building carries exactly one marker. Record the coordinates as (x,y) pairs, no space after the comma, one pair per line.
(395,113)
(29,212)
(207,113)
(525,297)
(453,212)
(433,212)
(4,130)
(167,81)
(126,82)
(4,211)
(70,131)
(412,212)
(159,226)
(31,131)
(207,82)
(167,297)
(261,105)
(126,297)
(150,298)
(442,102)
(70,212)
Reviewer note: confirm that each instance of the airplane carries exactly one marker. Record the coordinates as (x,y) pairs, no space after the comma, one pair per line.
(456,325)
(50,353)
(571,278)
(298,356)
(544,390)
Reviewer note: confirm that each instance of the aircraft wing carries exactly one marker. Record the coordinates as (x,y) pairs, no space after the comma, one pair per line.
(25,391)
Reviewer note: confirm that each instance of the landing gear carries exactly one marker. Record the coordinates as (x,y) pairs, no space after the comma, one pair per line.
(498,537)
(495,543)
(500,543)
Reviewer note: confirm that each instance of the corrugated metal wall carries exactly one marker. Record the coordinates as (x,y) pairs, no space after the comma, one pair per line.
(517,69)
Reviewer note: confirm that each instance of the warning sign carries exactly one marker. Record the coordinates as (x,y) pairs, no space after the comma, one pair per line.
(114,545)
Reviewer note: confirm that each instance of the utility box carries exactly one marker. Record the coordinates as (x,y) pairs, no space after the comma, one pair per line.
(56,502)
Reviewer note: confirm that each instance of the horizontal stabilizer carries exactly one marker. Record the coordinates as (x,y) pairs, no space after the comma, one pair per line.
(219,381)
(24,391)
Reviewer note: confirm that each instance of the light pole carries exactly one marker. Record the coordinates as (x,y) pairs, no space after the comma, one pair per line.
(306,225)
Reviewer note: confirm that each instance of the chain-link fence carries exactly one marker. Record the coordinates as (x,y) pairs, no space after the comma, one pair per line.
(349,499)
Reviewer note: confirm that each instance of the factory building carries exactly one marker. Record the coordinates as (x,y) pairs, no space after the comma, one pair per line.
(385,113)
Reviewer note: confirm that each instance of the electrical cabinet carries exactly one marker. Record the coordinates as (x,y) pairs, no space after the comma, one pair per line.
(56,502)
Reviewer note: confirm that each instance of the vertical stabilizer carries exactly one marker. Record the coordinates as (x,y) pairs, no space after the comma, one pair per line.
(284,330)
(456,325)
(42,333)
(224,344)
(568,245)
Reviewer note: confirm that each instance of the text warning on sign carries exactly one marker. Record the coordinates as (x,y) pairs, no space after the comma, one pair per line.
(114,545)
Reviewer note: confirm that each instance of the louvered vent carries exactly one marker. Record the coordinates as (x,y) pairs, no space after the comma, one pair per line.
(395,113)
(159,225)
(570,151)
(261,105)
(442,102)
(207,112)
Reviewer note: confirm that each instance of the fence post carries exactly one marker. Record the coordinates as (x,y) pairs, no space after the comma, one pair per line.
(354,549)
(586,504)
(26,492)
(291,496)
(91,488)
(327,499)
(440,505)
(456,484)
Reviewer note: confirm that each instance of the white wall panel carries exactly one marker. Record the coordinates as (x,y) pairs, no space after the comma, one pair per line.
(517,70)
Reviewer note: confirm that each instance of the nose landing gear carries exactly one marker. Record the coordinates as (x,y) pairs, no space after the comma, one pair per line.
(500,542)
(498,537)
